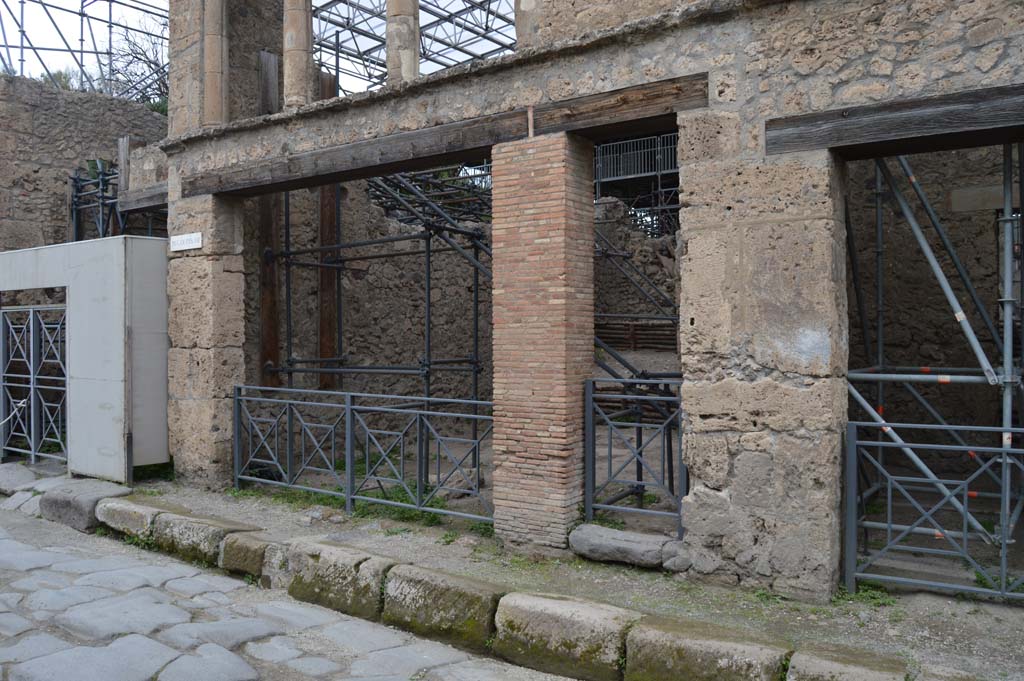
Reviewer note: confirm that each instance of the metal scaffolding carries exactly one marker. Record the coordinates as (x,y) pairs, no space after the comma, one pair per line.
(902,495)
(439,233)
(349,36)
(118,47)
(94,208)
(642,172)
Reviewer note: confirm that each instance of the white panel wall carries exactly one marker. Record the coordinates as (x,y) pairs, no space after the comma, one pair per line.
(116,346)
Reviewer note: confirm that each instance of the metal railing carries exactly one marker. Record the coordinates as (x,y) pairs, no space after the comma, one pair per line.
(411,452)
(633,448)
(638,157)
(896,507)
(33,382)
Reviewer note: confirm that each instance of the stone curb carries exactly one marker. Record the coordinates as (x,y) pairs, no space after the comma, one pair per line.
(660,648)
(73,502)
(549,633)
(338,577)
(457,610)
(562,635)
(830,663)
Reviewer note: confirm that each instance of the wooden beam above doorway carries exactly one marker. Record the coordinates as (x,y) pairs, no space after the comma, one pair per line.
(624,111)
(962,119)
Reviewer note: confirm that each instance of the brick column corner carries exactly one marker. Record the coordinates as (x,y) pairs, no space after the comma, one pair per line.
(543,334)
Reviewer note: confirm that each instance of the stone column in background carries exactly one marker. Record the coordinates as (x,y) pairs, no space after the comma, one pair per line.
(403,41)
(298,53)
(215,62)
(543,300)
(526,22)
(198,80)
(206,326)
(763,337)
(185,81)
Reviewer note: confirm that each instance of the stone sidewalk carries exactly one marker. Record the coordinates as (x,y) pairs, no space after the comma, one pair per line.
(85,608)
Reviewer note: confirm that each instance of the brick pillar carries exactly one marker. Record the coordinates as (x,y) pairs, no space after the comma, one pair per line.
(206,326)
(763,336)
(298,53)
(543,234)
(403,41)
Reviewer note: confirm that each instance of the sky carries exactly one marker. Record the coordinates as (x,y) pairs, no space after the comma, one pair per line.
(55,29)
(53,26)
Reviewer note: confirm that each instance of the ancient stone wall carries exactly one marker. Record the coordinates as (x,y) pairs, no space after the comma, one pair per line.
(541,22)
(45,135)
(762,256)
(383,303)
(831,48)
(654,257)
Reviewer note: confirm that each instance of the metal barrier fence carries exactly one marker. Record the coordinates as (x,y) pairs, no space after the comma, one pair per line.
(33,382)
(411,452)
(896,506)
(638,157)
(633,448)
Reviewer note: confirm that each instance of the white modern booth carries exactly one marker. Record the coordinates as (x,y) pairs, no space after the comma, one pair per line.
(107,343)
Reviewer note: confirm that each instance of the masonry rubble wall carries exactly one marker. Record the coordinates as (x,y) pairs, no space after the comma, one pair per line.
(383,302)
(46,134)
(762,253)
(655,257)
(541,22)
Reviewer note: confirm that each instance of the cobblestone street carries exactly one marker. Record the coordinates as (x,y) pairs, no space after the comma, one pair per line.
(77,607)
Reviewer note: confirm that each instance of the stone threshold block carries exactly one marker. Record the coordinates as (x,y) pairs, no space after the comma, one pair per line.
(134,515)
(73,503)
(830,663)
(338,577)
(618,546)
(661,648)
(194,537)
(457,610)
(562,635)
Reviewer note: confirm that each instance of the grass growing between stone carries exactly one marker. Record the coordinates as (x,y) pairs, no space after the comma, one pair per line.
(867,594)
(298,499)
(159,471)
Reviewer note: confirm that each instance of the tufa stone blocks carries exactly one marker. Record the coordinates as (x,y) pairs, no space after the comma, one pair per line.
(561,635)
(669,649)
(194,537)
(243,552)
(458,610)
(833,663)
(73,503)
(338,577)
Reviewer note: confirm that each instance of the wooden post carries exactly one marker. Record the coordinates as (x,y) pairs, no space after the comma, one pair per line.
(269,207)
(328,341)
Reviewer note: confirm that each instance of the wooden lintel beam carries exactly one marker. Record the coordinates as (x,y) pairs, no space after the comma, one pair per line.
(962,119)
(146,198)
(624,106)
(462,141)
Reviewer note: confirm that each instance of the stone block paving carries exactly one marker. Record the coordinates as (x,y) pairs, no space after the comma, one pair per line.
(70,614)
